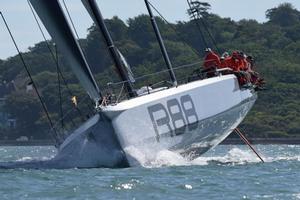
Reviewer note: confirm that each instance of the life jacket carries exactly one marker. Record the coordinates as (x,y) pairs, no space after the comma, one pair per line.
(231,62)
(211,60)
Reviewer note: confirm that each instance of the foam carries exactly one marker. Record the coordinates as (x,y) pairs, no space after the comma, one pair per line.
(168,158)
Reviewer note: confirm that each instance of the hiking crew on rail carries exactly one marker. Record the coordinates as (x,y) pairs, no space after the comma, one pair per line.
(237,63)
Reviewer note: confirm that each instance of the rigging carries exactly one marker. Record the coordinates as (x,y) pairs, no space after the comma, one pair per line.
(195,12)
(198,26)
(59,90)
(172,27)
(96,15)
(161,44)
(79,42)
(71,20)
(55,134)
(55,58)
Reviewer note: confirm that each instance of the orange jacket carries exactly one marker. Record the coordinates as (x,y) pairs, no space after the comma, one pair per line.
(211,60)
(232,63)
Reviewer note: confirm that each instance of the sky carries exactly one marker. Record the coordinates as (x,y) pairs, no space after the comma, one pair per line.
(26,33)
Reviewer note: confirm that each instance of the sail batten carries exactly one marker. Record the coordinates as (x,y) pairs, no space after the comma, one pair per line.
(53,17)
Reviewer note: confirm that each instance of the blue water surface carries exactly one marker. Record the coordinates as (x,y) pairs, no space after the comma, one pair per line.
(227,172)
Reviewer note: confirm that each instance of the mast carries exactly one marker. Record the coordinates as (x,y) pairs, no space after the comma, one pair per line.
(96,15)
(161,44)
(52,16)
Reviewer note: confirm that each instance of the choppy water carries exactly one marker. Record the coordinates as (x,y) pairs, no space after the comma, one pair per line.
(228,172)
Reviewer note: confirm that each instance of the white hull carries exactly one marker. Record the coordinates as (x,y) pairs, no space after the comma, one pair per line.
(190,118)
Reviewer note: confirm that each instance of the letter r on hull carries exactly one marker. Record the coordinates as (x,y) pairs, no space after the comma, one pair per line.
(162,121)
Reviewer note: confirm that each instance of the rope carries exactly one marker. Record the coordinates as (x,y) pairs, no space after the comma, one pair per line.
(66,114)
(55,58)
(120,94)
(171,26)
(71,20)
(160,72)
(56,135)
(205,27)
(59,91)
(198,26)
(210,34)
(77,36)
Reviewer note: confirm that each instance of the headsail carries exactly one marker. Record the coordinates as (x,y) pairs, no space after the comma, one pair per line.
(127,67)
(52,16)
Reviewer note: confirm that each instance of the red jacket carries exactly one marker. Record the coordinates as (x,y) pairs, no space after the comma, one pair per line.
(231,62)
(211,60)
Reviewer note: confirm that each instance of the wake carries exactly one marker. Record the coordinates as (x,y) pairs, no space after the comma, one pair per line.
(164,158)
(234,156)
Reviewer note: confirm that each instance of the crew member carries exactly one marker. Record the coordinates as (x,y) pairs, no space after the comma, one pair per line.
(231,62)
(212,60)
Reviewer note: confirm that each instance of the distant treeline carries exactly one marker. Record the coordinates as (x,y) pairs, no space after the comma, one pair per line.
(275,45)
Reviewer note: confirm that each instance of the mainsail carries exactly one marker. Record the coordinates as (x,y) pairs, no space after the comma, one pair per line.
(52,16)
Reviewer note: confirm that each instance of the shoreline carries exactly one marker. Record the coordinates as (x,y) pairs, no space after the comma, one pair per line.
(228,141)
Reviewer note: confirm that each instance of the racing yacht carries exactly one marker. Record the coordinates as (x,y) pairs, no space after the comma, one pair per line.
(189,118)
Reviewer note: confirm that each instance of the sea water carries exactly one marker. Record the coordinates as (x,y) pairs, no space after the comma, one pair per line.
(227,172)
